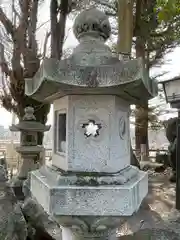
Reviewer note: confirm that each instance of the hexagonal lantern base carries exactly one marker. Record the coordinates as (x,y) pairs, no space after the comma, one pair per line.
(85,196)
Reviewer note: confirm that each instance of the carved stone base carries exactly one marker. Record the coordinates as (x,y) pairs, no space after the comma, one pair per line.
(91,228)
(68,234)
(88,195)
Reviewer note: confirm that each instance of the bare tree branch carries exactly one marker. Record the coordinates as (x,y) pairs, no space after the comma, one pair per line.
(58,25)
(20,41)
(15,12)
(23,57)
(32,25)
(3,64)
(6,23)
(41,25)
(48,34)
(1,52)
(53,17)
(65,38)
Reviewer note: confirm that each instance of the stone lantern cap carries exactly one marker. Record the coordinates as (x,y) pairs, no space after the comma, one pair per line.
(91,69)
(29,123)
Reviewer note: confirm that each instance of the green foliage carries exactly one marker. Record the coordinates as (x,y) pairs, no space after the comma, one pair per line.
(167,9)
(159,32)
(168,15)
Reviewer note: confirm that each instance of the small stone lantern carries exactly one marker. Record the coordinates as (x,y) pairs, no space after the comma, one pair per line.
(91,186)
(28,149)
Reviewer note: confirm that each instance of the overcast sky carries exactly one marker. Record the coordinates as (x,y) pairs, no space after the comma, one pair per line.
(171,66)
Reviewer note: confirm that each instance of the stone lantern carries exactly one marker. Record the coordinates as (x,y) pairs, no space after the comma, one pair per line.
(172,93)
(91,186)
(28,149)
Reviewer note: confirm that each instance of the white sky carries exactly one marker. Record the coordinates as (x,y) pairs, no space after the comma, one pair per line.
(172,65)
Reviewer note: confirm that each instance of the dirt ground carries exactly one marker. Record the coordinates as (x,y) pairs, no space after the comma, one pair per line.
(161,197)
(159,204)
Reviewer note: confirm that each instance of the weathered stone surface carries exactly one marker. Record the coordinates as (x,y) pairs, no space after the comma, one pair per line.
(61,198)
(26,188)
(94,154)
(23,222)
(152,234)
(90,228)
(58,177)
(40,221)
(92,68)
(29,114)
(29,123)
(12,222)
(16,185)
(95,22)
(28,149)
(93,183)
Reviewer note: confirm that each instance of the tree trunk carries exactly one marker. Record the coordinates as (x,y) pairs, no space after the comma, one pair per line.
(125,27)
(141,116)
(141,129)
(124,43)
(58,24)
(134,160)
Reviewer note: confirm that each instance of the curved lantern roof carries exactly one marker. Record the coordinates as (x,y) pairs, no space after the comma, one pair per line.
(29,123)
(92,69)
(31,126)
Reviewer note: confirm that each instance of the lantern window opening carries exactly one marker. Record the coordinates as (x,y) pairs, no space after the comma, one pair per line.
(60,132)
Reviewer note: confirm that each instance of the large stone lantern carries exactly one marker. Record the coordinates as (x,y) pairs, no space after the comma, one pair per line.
(91,185)
(28,149)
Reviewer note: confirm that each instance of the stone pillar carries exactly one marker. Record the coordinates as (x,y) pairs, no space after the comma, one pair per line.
(28,164)
(144,154)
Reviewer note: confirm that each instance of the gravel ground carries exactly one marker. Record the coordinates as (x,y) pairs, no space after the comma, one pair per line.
(156,208)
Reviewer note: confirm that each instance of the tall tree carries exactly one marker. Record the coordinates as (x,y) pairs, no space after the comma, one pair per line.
(154,38)
(155,33)
(141,116)
(25,58)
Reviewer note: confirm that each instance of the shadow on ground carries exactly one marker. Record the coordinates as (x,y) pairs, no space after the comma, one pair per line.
(158,203)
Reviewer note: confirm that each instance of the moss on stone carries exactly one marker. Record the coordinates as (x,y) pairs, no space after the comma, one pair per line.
(93,181)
